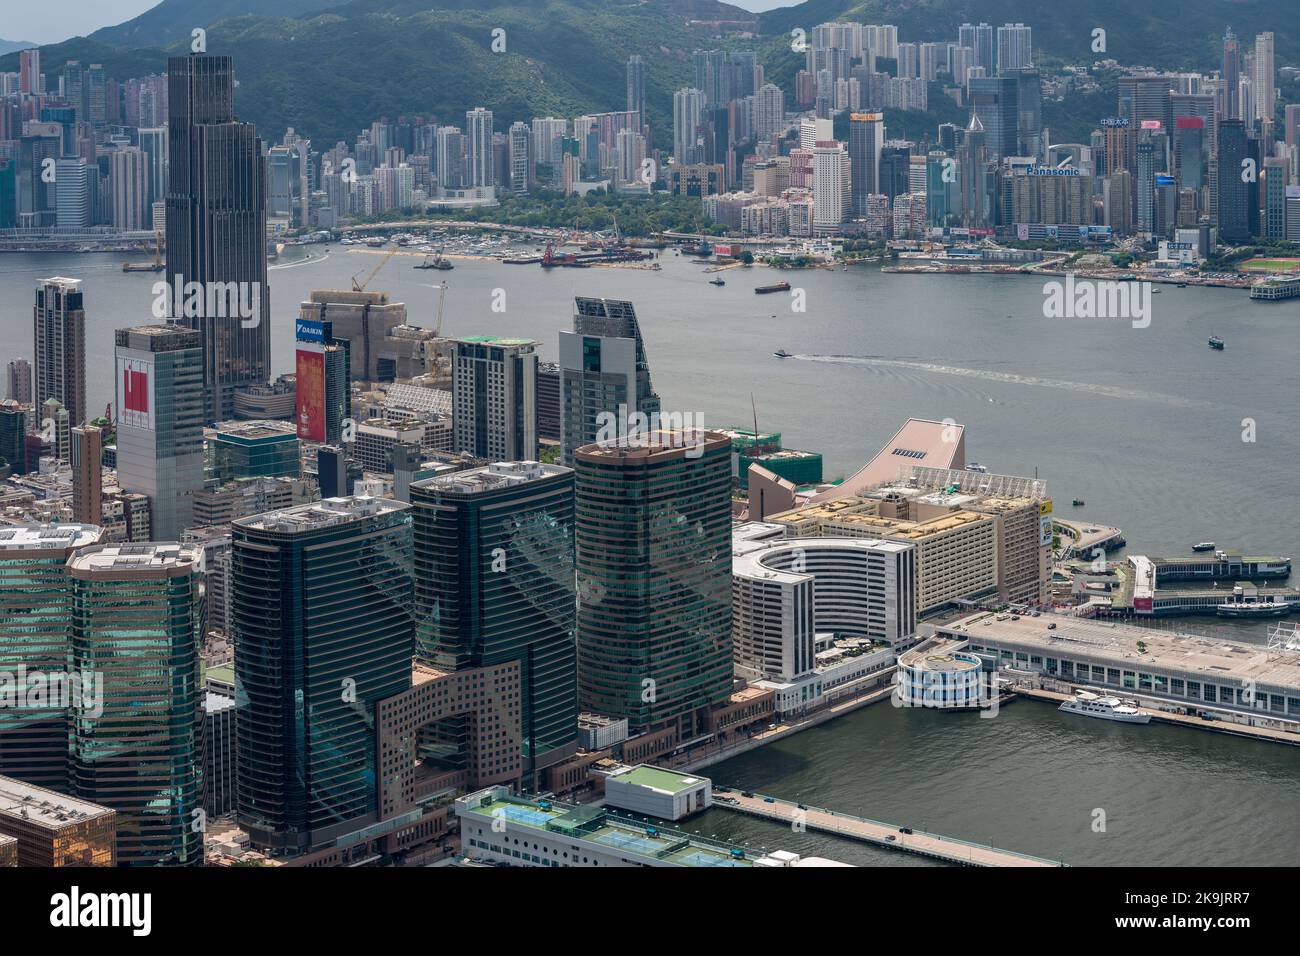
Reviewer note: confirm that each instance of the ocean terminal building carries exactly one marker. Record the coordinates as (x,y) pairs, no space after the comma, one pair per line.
(1198,672)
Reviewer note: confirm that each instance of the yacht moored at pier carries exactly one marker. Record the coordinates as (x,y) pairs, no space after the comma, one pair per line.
(1106,708)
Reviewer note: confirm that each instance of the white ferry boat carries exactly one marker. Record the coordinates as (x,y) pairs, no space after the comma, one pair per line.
(1106,708)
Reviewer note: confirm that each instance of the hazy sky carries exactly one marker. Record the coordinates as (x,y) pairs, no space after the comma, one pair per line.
(49,21)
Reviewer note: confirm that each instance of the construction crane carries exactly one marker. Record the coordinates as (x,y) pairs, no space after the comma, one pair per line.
(361,287)
(442,295)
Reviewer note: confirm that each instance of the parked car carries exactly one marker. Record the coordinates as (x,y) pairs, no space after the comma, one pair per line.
(904,829)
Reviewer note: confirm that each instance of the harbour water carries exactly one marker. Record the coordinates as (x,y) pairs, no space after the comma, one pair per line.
(1145,425)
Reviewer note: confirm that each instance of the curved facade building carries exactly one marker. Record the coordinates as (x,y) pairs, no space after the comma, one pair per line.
(787,591)
(136,624)
(939,680)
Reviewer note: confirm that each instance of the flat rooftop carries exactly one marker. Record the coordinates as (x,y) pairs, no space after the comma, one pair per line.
(48,537)
(45,808)
(596,826)
(656,778)
(1221,661)
(325,513)
(132,557)
(475,481)
(264,430)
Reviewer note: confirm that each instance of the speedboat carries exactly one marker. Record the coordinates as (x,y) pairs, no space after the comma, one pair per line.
(1203,546)
(781,353)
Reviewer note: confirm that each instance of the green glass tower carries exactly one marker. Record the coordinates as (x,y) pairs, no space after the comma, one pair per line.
(137,619)
(323,631)
(35,618)
(652,531)
(494,583)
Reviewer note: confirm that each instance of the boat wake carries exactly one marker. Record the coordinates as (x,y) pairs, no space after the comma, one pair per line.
(1009,378)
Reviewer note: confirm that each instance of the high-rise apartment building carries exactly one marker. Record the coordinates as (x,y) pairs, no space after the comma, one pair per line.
(216,227)
(141,752)
(653,562)
(636,75)
(494,398)
(1015,47)
(494,583)
(688,112)
(1265,77)
(59,324)
(18,386)
(87,459)
(478,147)
(160,415)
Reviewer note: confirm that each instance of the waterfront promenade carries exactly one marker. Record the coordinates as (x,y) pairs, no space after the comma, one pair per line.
(880,834)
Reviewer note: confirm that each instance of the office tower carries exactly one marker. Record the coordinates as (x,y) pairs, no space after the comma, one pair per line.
(688,109)
(995,100)
(1117,196)
(216,201)
(494,388)
(59,324)
(96,96)
(18,386)
(1265,77)
(332,471)
(1273,199)
(866,140)
(478,147)
(35,618)
(52,829)
(87,475)
(769,113)
(323,626)
(142,754)
(604,373)
(160,417)
(153,143)
(895,169)
(494,583)
(1233,192)
(973,162)
(29,72)
(1146,97)
(653,559)
(128,187)
(1190,152)
(521,166)
(13,437)
(1015,47)
(66,118)
(322,389)
(832,192)
(255,449)
(636,87)
(1230,77)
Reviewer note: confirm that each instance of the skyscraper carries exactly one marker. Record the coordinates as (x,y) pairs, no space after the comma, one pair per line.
(769,113)
(636,86)
(603,371)
(478,149)
(35,623)
(995,100)
(1265,77)
(1230,77)
(688,111)
(137,621)
(1233,191)
(59,326)
(494,583)
(521,165)
(653,562)
(19,384)
(494,398)
(322,618)
(216,227)
(159,374)
(866,140)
